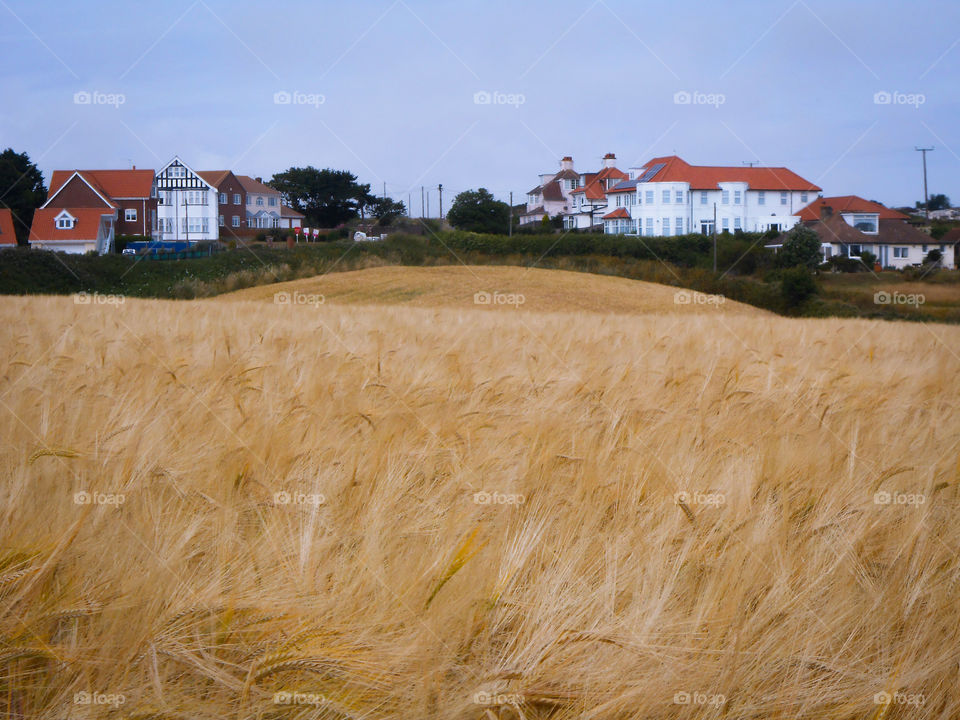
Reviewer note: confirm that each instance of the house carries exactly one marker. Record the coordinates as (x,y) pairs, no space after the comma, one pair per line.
(263,208)
(86,209)
(187,204)
(290,218)
(849,226)
(668,196)
(552,196)
(231,201)
(8,236)
(588,202)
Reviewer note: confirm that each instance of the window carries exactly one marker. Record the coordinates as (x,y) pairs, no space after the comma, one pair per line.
(236,221)
(666,226)
(194,225)
(853,251)
(901,252)
(206,224)
(639,197)
(220,221)
(679,225)
(679,197)
(866,223)
(703,197)
(736,224)
(259,199)
(761,198)
(783,198)
(64,223)
(176,171)
(223,198)
(803,198)
(725,197)
(649,230)
(666,197)
(736,197)
(273,202)
(924,248)
(130,214)
(236,198)
(650,196)
(725,224)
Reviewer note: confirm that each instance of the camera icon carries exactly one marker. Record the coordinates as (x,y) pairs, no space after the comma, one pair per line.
(882,497)
(282,498)
(682,97)
(282,698)
(281,97)
(883,698)
(681,497)
(482,97)
(681,297)
(681,698)
(82,498)
(482,298)
(482,498)
(82,97)
(882,97)
(281,298)
(881,297)
(81,298)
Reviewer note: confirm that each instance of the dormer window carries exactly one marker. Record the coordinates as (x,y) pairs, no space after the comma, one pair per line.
(65,221)
(866,223)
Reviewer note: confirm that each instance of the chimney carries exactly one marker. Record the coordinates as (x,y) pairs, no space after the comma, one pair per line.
(134,167)
(825,212)
(609,160)
(566,163)
(259,179)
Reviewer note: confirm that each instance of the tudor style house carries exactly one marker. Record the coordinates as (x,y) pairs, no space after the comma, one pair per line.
(231,201)
(86,209)
(849,225)
(552,196)
(187,207)
(667,196)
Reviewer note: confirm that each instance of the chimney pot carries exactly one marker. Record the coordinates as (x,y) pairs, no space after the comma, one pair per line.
(259,179)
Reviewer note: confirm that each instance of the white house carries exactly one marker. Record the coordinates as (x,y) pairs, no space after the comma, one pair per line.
(552,196)
(187,208)
(667,196)
(589,202)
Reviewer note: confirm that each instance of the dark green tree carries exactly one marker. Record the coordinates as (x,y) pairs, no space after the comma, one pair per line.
(21,189)
(386,210)
(478,211)
(326,197)
(797,286)
(801,247)
(938,202)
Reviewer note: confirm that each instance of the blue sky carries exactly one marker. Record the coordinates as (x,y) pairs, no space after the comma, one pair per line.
(388,89)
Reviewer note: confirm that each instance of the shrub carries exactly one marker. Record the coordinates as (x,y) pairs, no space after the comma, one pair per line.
(796,287)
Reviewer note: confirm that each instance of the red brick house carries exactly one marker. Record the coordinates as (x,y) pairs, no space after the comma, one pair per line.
(231,201)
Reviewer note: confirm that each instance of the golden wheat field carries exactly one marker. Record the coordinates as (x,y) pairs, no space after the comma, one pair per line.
(243,509)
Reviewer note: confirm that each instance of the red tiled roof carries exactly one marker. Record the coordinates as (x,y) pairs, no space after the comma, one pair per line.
(252,186)
(289,212)
(705,177)
(112,183)
(7,234)
(552,191)
(848,204)
(618,213)
(44,225)
(214,177)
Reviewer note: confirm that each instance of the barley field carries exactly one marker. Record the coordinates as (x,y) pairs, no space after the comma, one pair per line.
(241,508)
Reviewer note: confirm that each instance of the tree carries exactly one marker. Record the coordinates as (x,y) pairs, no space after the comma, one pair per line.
(21,189)
(938,202)
(386,210)
(934,257)
(478,211)
(327,197)
(797,286)
(801,248)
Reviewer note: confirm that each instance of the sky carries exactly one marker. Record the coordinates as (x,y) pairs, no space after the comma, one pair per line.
(487,93)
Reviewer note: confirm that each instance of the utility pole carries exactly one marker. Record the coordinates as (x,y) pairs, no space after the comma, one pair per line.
(422,214)
(384,190)
(409,210)
(428,203)
(714,237)
(510,227)
(440,190)
(926,198)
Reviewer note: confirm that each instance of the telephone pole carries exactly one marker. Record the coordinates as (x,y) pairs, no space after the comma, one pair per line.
(422,206)
(510,226)
(440,190)
(926,198)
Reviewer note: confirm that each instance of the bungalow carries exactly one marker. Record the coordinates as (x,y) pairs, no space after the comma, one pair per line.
(8,236)
(85,209)
(231,201)
(187,207)
(849,226)
(552,196)
(668,196)
(589,200)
